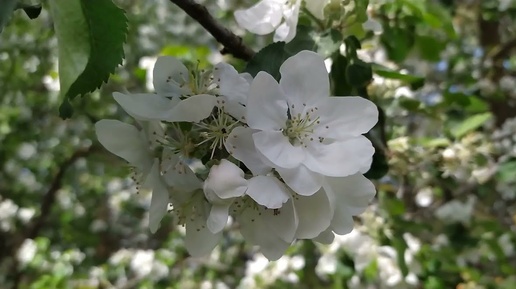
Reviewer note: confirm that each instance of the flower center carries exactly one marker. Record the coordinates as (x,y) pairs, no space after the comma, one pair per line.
(300,127)
(216,130)
(201,82)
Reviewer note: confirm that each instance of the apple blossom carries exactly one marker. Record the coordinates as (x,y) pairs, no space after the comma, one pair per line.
(300,131)
(267,15)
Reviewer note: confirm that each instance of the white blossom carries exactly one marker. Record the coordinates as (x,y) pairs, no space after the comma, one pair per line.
(280,16)
(300,131)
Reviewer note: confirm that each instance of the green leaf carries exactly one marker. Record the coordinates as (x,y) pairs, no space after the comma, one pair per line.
(400,245)
(8,6)
(394,207)
(398,41)
(415,82)
(302,41)
(272,56)
(340,85)
(269,59)
(470,124)
(359,73)
(507,172)
(430,47)
(90,34)
(410,104)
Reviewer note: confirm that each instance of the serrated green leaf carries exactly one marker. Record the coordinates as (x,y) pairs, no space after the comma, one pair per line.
(272,56)
(269,59)
(90,37)
(302,41)
(72,41)
(470,124)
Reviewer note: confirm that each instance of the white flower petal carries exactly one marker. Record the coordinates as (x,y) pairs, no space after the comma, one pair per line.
(277,149)
(125,141)
(231,84)
(304,78)
(169,75)
(262,18)
(316,7)
(342,222)
(241,146)
(226,180)
(159,199)
(177,174)
(218,218)
(199,240)
(145,106)
(255,231)
(314,213)
(266,105)
(192,109)
(355,191)
(339,159)
(287,31)
(283,222)
(303,181)
(267,191)
(346,116)
(325,237)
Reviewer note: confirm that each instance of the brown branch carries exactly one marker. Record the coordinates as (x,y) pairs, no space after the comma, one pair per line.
(231,42)
(47,202)
(489,36)
(503,50)
(50,196)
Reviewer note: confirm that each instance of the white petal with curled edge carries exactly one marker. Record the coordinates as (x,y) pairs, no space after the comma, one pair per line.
(342,222)
(159,199)
(231,84)
(145,106)
(325,237)
(266,104)
(278,150)
(255,231)
(199,240)
(241,146)
(267,191)
(342,117)
(314,213)
(301,180)
(304,78)
(170,77)
(218,217)
(192,109)
(226,180)
(283,222)
(340,158)
(262,18)
(287,30)
(355,191)
(125,141)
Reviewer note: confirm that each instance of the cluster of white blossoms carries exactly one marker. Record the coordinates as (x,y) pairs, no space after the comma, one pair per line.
(280,16)
(284,160)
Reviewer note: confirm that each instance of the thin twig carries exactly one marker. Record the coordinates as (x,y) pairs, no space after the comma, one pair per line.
(50,196)
(232,43)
